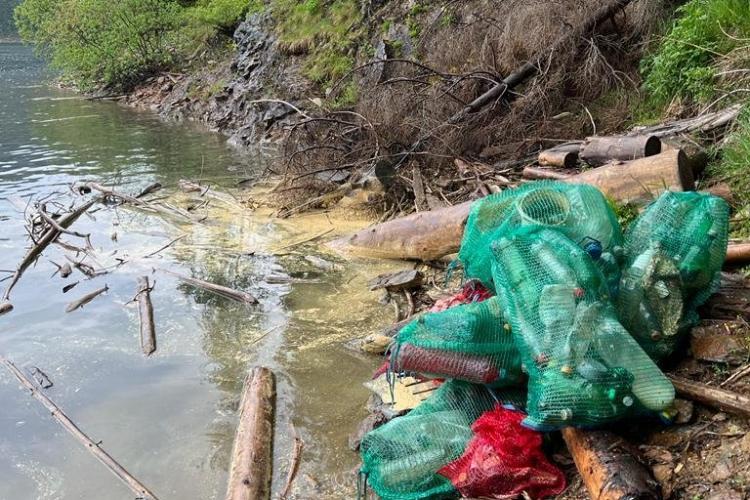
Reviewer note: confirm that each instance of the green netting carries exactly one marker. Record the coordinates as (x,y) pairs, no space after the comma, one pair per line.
(401,458)
(580,211)
(470,342)
(673,256)
(584,368)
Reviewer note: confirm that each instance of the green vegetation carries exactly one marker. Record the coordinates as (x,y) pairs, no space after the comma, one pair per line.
(115,44)
(706,35)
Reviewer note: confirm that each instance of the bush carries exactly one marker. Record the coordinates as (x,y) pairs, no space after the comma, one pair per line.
(100,43)
(685,62)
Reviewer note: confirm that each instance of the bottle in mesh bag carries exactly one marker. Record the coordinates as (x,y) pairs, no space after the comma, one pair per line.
(400,459)
(584,368)
(470,342)
(674,253)
(579,211)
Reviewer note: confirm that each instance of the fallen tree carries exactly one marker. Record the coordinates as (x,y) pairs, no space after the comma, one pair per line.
(252,453)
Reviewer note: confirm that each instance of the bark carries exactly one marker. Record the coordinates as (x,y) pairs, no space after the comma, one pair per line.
(722,399)
(146,315)
(738,254)
(252,454)
(597,151)
(609,470)
(641,180)
(95,449)
(422,236)
(563,156)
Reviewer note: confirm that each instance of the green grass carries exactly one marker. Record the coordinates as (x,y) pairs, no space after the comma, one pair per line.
(685,63)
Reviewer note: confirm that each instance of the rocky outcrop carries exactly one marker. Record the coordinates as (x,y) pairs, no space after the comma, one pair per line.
(235,96)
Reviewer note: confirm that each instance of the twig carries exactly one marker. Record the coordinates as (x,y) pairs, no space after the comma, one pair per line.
(306,240)
(52,222)
(169,244)
(58,414)
(76,304)
(231,293)
(293,463)
(737,375)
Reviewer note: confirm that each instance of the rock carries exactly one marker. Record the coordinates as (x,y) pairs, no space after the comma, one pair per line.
(721,472)
(370,422)
(375,343)
(684,411)
(400,280)
(663,473)
(321,263)
(716,342)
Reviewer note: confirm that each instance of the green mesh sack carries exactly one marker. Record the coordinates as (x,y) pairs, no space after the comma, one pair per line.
(470,342)
(673,256)
(400,459)
(580,211)
(584,368)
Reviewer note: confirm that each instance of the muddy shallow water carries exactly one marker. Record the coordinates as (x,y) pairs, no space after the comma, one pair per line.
(169,419)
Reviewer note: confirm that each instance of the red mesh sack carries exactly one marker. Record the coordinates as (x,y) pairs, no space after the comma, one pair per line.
(504,459)
(472,291)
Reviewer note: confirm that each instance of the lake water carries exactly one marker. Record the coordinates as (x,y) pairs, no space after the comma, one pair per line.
(169,418)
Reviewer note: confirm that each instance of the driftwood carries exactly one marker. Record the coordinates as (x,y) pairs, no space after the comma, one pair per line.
(77,304)
(95,449)
(712,396)
(151,188)
(48,237)
(702,124)
(599,150)
(609,471)
(252,453)
(423,236)
(136,202)
(230,293)
(533,173)
(643,179)
(563,155)
(293,464)
(146,315)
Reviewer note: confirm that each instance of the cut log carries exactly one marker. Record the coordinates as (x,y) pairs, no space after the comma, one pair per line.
(597,151)
(714,397)
(94,448)
(422,236)
(252,453)
(563,156)
(608,469)
(738,254)
(641,180)
(401,280)
(146,315)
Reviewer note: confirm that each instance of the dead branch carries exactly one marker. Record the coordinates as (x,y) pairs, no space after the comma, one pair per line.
(146,316)
(712,396)
(293,463)
(94,448)
(76,304)
(230,293)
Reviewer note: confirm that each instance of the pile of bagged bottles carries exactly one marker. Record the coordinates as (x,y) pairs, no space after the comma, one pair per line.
(578,318)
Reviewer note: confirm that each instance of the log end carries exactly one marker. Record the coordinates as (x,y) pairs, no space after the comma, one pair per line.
(652,146)
(5,307)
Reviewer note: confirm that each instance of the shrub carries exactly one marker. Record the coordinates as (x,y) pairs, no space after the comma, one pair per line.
(685,62)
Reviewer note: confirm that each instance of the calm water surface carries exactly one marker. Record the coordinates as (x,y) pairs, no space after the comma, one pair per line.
(169,419)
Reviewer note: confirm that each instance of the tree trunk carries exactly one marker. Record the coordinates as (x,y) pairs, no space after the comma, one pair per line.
(608,469)
(643,179)
(597,151)
(252,454)
(421,236)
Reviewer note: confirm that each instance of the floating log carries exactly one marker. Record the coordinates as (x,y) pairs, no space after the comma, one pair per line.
(77,304)
(422,236)
(608,469)
(230,293)
(252,453)
(641,180)
(712,396)
(94,448)
(597,151)
(563,156)
(737,254)
(146,315)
